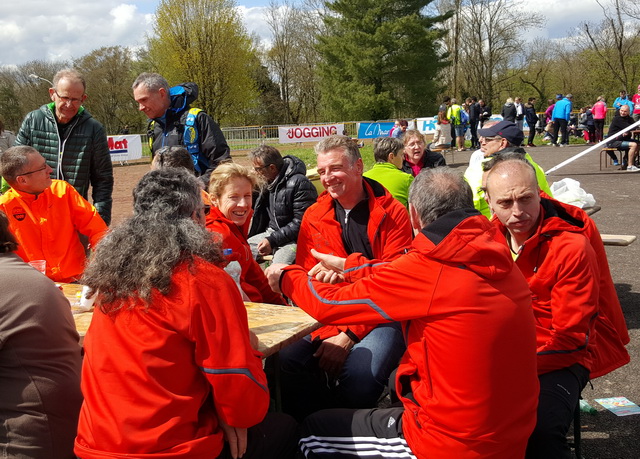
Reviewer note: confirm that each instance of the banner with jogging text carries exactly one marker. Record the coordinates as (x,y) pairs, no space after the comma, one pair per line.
(292,134)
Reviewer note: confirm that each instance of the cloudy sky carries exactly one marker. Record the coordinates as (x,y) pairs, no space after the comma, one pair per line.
(67,29)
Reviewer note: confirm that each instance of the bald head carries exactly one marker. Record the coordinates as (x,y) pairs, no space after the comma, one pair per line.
(514,198)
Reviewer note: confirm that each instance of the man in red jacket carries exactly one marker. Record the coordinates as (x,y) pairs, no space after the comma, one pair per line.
(561,268)
(347,365)
(467,381)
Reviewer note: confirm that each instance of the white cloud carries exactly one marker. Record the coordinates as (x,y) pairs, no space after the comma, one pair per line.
(66,29)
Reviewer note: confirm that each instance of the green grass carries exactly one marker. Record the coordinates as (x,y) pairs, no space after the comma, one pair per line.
(307,155)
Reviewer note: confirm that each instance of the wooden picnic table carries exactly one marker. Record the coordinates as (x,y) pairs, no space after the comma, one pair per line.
(275,326)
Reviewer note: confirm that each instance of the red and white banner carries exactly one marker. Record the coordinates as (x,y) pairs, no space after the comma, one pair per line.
(292,134)
(124,147)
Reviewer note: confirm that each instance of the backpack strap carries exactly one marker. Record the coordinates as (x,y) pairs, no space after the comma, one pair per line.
(191,140)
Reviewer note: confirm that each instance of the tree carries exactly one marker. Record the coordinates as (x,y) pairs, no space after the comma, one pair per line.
(204,41)
(380,59)
(616,42)
(108,74)
(489,44)
(293,59)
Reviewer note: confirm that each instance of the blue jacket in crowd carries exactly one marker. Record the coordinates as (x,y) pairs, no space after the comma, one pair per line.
(562,110)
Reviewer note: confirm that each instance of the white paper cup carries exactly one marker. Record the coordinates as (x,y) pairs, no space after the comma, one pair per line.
(39,265)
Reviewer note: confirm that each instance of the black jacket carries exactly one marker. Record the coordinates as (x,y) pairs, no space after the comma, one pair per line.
(286,198)
(474,112)
(618,124)
(530,115)
(509,112)
(169,130)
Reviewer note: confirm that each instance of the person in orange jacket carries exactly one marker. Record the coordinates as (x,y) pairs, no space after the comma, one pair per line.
(348,365)
(560,263)
(169,370)
(46,215)
(467,382)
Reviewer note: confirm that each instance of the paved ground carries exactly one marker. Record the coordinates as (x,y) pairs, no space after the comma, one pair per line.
(604,434)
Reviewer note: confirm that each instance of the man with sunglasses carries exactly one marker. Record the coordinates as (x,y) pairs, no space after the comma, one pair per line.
(47,215)
(73,143)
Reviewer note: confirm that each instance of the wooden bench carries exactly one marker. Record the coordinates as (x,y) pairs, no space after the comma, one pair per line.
(620,240)
(606,159)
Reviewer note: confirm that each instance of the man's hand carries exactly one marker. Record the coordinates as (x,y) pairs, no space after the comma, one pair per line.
(273,273)
(329,269)
(237,439)
(264,247)
(333,352)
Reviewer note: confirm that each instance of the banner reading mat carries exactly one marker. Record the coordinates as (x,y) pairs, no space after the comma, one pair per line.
(292,134)
(124,147)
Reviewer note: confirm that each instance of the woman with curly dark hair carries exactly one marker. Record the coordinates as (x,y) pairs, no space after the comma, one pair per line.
(169,368)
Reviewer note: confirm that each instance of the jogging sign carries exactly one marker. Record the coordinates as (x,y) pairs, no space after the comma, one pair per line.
(292,134)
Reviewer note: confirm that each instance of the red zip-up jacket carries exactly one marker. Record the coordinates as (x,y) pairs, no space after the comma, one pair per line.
(470,364)
(252,279)
(156,381)
(388,229)
(608,351)
(562,272)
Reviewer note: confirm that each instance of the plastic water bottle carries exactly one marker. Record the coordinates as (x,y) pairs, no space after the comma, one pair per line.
(234,270)
(586,408)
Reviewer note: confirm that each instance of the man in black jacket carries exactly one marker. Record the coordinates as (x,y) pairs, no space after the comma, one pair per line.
(624,142)
(279,208)
(72,142)
(172,117)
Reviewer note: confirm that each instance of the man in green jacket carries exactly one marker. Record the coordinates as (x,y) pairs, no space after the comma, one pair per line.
(73,143)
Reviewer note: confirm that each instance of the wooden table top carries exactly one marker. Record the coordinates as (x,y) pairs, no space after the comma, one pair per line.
(275,326)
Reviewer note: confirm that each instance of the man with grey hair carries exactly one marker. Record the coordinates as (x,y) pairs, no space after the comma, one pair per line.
(458,278)
(73,143)
(388,153)
(346,366)
(173,122)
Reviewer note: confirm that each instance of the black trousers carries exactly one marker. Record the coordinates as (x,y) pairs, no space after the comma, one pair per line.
(560,128)
(337,433)
(559,396)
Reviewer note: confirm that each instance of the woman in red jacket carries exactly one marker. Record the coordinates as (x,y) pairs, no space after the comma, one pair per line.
(230,190)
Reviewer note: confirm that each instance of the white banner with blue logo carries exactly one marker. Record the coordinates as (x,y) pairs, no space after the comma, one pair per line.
(124,147)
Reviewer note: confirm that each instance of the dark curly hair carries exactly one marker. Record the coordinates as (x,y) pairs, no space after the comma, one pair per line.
(141,254)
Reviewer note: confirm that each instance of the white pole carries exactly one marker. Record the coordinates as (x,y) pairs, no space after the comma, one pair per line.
(593,147)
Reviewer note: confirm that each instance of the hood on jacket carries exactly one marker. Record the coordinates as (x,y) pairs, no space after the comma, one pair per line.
(182,96)
(466,238)
(293,165)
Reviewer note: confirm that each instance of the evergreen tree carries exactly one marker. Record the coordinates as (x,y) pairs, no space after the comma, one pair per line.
(381,58)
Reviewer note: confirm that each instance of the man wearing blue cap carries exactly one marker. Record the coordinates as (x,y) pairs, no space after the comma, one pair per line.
(496,139)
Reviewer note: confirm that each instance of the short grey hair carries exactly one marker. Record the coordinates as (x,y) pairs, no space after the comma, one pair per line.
(167,193)
(14,160)
(339,142)
(382,146)
(436,192)
(71,75)
(152,81)
(511,164)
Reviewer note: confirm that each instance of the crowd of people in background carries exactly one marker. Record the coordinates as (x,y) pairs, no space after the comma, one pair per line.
(402,265)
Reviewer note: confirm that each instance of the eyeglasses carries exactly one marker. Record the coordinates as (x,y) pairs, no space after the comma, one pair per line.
(489,139)
(69,100)
(259,168)
(33,172)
